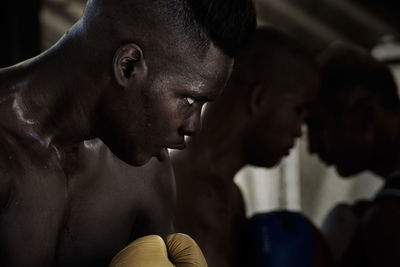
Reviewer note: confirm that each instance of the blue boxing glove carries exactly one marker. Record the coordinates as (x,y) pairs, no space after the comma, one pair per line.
(285,239)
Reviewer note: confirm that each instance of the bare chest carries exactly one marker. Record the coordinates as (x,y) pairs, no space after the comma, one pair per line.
(52,219)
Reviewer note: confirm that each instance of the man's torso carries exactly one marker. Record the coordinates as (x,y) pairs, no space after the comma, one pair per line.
(80,209)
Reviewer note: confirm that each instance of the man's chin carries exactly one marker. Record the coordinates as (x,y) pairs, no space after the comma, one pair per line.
(140,160)
(164,155)
(134,159)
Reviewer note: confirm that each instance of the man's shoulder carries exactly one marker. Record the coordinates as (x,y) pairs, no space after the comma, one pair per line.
(20,148)
(16,152)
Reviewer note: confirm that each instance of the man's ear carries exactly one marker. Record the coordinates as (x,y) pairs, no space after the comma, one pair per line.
(129,63)
(258,99)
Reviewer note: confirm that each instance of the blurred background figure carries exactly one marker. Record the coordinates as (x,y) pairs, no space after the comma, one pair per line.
(255,121)
(355,126)
(306,184)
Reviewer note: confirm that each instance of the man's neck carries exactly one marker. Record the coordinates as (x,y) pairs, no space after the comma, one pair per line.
(53,95)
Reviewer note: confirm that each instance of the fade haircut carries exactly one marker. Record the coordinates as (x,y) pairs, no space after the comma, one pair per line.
(229,24)
(345,67)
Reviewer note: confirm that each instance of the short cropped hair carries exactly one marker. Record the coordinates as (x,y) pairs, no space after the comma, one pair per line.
(228,24)
(344,66)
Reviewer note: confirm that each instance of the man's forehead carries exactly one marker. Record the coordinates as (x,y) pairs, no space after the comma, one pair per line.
(201,86)
(204,73)
(212,64)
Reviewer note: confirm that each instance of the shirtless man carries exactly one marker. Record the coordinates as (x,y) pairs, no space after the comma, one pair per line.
(256,122)
(355,126)
(134,73)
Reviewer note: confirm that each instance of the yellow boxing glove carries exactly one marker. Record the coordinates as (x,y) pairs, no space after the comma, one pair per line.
(151,251)
(184,251)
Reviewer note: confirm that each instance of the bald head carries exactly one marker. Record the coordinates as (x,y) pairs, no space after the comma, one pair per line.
(346,67)
(272,56)
(272,60)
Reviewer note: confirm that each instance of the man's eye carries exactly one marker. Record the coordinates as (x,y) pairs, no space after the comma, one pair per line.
(189,100)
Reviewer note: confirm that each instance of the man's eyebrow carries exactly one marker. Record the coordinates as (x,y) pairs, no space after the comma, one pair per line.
(198,92)
(201,96)
(206,99)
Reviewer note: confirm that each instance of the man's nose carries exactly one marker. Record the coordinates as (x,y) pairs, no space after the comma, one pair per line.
(192,125)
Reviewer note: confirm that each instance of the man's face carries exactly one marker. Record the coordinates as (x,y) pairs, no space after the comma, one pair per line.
(158,115)
(281,121)
(337,133)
